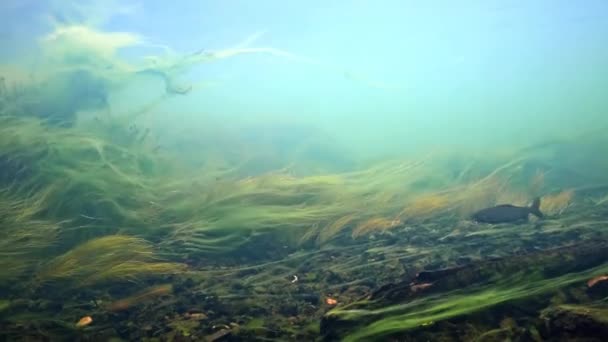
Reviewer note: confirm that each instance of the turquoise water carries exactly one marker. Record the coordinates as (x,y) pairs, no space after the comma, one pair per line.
(384,78)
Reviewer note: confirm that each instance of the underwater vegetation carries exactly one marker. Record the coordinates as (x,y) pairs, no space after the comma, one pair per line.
(85,209)
(113,258)
(75,177)
(81,212)
(105,235)
(465,291)
(23,238)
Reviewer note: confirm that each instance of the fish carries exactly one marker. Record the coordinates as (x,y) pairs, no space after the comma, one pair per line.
(508,213)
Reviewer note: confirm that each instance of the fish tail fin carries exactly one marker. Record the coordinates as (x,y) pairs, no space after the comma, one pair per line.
(535,208)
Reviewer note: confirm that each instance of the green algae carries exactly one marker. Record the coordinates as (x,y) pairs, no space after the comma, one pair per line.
(428,310)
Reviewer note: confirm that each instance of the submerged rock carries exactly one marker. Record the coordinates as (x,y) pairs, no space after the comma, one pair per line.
(576,322)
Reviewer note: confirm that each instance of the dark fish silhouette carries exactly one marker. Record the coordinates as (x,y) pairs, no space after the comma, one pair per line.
(508,213)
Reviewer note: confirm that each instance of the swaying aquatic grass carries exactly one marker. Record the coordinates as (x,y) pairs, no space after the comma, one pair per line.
(363,202)
(106,188)
(279,203)
(86,180)
(23,238)
(109,188)
(241,209)
(99,184)
(107,259)
(63,174)
(555,204)
(394,194)
(102,188)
